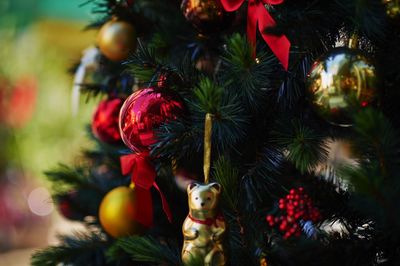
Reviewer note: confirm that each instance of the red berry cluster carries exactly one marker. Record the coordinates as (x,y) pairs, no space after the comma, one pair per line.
(296,206)
(162,81)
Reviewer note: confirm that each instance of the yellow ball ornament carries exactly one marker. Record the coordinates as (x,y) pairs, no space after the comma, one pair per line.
(118,211)
(341,83)
(116,39)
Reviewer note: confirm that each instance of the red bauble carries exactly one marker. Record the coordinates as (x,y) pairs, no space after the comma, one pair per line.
(143,112)
(66,205)
(105,121)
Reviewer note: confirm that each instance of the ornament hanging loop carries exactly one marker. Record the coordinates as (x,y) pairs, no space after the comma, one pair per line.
(207,146)
(354,40)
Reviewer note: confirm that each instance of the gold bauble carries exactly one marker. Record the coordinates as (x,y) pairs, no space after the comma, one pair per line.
(341,83)
(116,39)
(118,211)
(392,7)
(263,262)
(207,16)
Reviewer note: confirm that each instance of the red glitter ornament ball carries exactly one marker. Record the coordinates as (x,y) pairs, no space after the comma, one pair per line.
(143,112)
(105,121)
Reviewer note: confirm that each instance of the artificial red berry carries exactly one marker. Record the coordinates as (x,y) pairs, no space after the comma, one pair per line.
(296,206)
(271,223)
(283,226)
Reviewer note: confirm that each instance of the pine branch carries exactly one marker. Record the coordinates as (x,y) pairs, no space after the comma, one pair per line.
(209,96)
(146,249)
(228,176)
(304,147)
(365,15)
(177,140)
(378,141)
(80,250)
(251,79)
(104,154)
(263,180)
(64,178)
(143,64)
(230,122)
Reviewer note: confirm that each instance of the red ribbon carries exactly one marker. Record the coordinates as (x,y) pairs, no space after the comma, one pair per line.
(143,176)
(257,12)
(208,221)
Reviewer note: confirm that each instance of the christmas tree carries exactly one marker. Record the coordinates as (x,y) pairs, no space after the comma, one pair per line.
(236,132)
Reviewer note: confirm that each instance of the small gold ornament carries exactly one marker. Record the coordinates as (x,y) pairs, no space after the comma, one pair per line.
(392,7)
(263,262)
(207,16)
(341,83)
(203,228)
(116,39)
(118,211)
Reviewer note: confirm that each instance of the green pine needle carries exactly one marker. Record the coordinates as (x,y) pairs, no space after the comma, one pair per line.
(378,141)
(75,250)
(228,177)
(143,63)
(249,78)
(209,96)
(304,147)
(239,53)
(64,178)
(146,249)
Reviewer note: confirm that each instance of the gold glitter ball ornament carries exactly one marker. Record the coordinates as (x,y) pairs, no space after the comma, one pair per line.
(116,39)
(118,211)
(341,83)
(392,8)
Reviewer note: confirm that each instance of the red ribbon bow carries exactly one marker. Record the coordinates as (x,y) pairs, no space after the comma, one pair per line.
(143,176)
(257,12)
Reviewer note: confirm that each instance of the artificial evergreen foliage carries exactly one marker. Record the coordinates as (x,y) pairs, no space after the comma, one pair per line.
(266,139)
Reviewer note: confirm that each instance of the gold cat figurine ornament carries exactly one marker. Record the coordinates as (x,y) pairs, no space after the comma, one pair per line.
(204,227)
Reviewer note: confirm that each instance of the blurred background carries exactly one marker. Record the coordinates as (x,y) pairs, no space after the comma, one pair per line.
(39,41)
